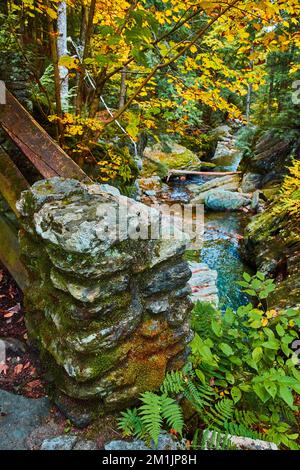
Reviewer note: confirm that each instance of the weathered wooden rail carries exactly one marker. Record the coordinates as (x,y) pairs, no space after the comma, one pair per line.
(45,155)
(34,142)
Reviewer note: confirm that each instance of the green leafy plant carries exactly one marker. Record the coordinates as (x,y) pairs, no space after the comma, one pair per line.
(241,378)
(247,356)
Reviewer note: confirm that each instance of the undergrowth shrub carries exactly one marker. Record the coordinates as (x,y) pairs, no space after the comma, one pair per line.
(242,376)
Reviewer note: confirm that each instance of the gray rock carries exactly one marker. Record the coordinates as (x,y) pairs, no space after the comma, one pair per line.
(165,442)
(92,281)
(19,416)
(168,279)
(59,443)
(221,200)
(150,192)
(251,182)
(85,445)
(124,445)
(246,443)
(158,306)
(13,346)
(231,182)
(255,201)
(203,283)
(107,188)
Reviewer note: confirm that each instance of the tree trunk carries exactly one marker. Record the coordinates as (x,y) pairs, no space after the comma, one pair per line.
(123,88)
(88,35)
(54,54)
(62,50)
(248,102)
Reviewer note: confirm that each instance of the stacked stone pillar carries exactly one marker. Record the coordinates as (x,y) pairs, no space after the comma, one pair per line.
(108,310)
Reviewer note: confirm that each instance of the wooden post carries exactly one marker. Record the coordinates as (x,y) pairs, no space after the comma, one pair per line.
(10,252)
(12,182)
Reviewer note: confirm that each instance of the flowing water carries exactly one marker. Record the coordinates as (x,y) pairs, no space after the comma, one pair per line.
(222,233)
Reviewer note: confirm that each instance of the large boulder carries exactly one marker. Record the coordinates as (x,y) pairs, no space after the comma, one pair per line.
(268,162)
(170,155)
(272,245)
(221,200)
(105,304)
(228,183)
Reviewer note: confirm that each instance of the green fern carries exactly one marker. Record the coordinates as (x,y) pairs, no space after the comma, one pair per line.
(174,383)
(241,430)
(217,416)
(172,413)
(185,382)
(148,419)
(213,440)
(151,414)
(130,423)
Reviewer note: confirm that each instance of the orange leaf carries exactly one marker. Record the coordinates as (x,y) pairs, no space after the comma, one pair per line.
(18,369)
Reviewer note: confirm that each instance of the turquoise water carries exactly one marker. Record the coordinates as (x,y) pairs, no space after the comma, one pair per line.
(221,246)
(221,252)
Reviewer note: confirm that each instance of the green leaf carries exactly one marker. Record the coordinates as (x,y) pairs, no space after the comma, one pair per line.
(256,324)
(229,316)
(261,392)
(229,377)
(200,376)
(243,284)
(236,394)
(286,395)
(216,327)
(271,388)
(247,277)
(257,354)
(250,292)
(280,330)
(260,276)
(226,349)
(271,344)
(256,284)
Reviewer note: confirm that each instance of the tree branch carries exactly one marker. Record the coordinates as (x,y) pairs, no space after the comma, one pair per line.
(171,60)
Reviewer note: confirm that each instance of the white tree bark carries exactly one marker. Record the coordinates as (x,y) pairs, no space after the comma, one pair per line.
(62,50)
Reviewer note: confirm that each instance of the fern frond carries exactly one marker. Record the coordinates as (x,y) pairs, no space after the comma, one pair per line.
(241,430)
(173,383)
(213,440)
(222,412)
(130,423)
(151,416)
(172,413)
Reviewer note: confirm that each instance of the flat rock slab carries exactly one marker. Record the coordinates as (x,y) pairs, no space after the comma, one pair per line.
(203,283)
(19,416)
(165,442)
(71,442)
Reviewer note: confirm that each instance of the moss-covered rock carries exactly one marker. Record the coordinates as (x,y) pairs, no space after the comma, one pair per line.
(272,244)
(163,156)
(91,304)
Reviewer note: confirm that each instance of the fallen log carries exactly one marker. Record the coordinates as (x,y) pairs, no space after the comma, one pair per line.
(12,182)
(34,142)
(201,173)
(10,252)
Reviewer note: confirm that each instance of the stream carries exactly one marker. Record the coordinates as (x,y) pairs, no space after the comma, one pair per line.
(222,231)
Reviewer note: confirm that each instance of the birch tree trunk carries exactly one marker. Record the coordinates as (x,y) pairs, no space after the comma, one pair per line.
(62,50)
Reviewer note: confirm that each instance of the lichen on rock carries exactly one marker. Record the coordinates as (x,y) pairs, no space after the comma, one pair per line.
(103,305)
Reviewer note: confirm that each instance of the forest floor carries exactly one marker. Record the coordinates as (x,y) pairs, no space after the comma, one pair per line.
(21,374)
(27,418)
